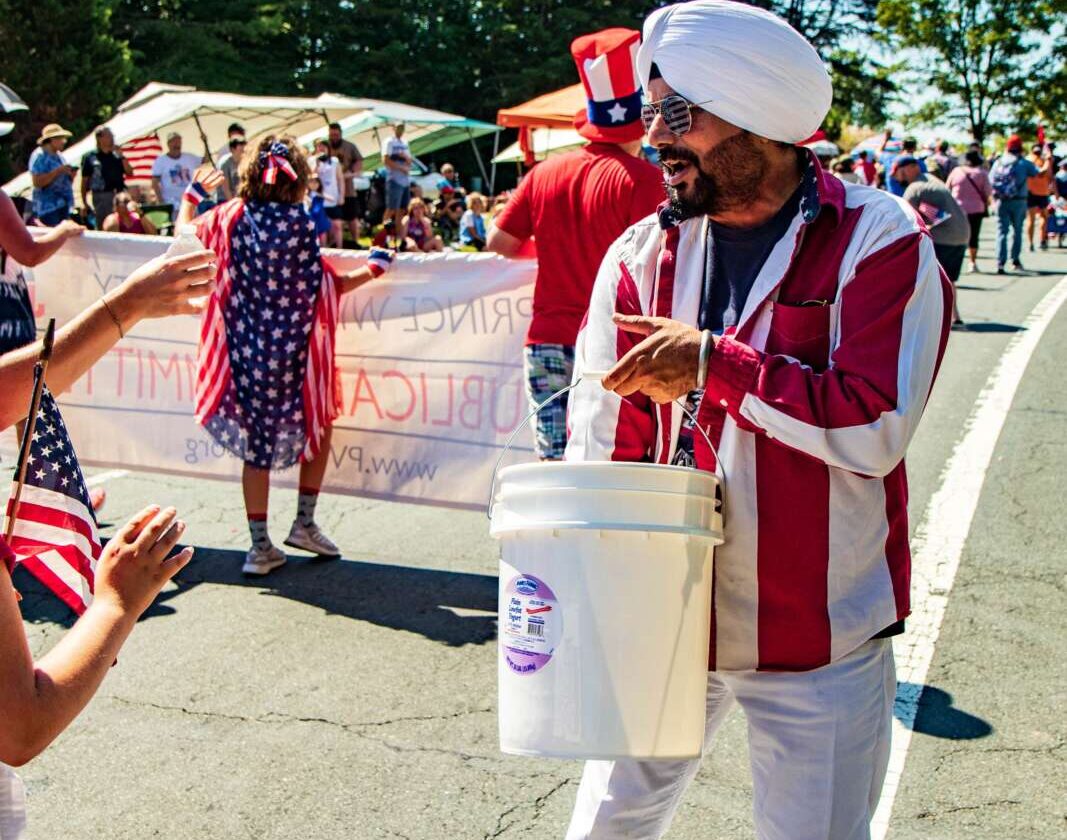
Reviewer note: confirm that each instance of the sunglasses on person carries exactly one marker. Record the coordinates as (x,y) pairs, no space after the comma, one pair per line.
(677,113)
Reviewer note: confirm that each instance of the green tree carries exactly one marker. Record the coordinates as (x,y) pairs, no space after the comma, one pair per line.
(63,60)
(863,89)
(244,46)
(1046,95)
(978,49)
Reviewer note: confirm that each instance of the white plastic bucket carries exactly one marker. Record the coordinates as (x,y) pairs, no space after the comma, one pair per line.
(605,603)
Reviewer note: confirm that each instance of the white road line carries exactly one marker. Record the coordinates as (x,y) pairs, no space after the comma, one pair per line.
(940,538)
(100,478)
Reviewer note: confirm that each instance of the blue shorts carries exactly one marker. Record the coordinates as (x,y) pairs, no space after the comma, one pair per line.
(397,196)
(549,367)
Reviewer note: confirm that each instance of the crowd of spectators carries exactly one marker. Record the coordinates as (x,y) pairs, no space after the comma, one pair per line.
(338,199)
(955,191)
(455,219)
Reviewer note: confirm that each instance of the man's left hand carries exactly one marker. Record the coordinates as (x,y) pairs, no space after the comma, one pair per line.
(663,366)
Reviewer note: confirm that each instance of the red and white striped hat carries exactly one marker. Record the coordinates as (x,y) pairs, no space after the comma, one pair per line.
(606,65)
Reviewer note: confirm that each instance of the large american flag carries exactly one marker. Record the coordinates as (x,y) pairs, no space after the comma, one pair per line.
(216,231)
(55,535)
(142,152)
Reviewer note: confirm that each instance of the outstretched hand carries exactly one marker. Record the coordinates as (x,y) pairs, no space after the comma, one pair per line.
(209,178)
(663,366)
(134,565)
(166,286)
(69,228)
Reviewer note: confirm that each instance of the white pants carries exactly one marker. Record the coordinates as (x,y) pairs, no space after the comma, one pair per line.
(818,746)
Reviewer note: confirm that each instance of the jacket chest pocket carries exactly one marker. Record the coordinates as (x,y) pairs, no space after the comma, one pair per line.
(802,332)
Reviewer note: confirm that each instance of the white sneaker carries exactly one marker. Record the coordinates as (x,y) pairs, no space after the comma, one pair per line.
(972,268)
(262,562)
(310,538)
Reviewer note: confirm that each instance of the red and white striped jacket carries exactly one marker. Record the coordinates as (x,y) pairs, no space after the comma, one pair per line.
(811,403)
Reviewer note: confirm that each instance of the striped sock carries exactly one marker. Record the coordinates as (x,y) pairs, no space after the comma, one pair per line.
(305,506)
(257,526)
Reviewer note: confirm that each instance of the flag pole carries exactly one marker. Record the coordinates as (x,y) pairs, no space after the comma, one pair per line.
(31,422)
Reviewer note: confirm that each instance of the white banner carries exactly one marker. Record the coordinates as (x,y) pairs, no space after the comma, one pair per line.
(431,370)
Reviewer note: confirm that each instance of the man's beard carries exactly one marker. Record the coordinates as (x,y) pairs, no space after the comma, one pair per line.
(336,144)
(727,177)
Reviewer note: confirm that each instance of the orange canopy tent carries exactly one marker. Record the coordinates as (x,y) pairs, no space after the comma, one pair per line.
(550,110)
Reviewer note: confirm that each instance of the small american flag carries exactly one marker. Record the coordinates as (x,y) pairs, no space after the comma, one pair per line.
(55,535)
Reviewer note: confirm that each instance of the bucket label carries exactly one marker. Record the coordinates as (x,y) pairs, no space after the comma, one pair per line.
(531,624)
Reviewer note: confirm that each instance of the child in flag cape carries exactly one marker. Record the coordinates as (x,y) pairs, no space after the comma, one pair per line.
(266,381)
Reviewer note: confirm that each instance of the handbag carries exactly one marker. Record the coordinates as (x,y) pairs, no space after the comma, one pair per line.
(981,195)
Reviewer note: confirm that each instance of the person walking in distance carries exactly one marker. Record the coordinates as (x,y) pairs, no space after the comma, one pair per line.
(1009,176)
(947,220)
(970,186)
(575,205)
(1038,189)
(265,391)
(802,320)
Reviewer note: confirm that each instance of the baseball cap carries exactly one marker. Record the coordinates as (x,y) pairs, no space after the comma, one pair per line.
(904,160)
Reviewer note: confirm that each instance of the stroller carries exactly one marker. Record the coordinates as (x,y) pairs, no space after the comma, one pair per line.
(1056,217)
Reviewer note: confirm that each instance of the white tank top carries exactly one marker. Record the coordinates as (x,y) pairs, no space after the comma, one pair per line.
(327,172)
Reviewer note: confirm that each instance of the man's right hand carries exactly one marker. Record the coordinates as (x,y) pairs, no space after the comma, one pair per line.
(134,566)
(165,286)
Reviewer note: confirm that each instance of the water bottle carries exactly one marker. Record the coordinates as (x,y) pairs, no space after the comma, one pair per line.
(187,242)
(12,805)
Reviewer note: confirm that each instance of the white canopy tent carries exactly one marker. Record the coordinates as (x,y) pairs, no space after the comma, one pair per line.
(202,117)
(425,130)
(545,142)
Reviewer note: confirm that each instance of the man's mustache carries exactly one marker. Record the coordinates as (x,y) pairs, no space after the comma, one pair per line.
(678,153)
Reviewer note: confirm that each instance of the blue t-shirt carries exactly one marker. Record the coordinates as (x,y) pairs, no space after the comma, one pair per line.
(474,220)
(58,194)
(735,257)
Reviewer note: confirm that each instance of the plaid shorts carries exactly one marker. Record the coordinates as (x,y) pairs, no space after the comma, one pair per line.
(549,367)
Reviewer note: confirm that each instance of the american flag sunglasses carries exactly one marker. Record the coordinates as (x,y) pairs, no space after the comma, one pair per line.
(677,113)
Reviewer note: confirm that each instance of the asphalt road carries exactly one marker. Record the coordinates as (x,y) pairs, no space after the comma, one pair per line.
(356,699)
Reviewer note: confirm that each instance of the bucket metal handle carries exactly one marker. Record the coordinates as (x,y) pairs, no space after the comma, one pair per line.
(595,377)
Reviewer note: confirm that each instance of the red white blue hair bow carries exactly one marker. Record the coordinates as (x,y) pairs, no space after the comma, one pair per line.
(276,159)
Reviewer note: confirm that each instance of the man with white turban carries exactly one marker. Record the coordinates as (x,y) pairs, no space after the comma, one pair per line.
(802,321)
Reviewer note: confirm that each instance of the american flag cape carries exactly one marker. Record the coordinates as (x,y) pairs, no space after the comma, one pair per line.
(214,376)
(55,535)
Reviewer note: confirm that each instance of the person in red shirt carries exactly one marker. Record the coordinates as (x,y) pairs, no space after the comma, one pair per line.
(866,169)
(575,205)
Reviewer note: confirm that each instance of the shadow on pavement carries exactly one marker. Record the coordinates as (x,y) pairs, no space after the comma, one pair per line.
(400,597)
(937,716)
(992,327)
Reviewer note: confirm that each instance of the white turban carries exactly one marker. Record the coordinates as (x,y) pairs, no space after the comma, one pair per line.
(748,66)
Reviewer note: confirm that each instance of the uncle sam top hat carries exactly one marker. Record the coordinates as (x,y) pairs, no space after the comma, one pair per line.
(605,62)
